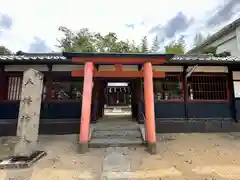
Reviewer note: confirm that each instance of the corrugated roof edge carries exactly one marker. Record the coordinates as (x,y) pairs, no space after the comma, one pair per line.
(229,28)
(43,54)
(186,58)
(33,56)
(66,57)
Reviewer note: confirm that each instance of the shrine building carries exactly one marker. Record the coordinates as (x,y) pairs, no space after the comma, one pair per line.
(169,93)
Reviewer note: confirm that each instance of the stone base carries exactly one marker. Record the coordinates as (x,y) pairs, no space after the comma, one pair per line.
(18,162)
(152,148)
(82,147)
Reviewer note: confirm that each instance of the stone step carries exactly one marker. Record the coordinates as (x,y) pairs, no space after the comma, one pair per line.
(115,142)
(113,133)
(114,127)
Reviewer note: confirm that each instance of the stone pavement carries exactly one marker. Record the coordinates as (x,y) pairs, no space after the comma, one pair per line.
(181,156)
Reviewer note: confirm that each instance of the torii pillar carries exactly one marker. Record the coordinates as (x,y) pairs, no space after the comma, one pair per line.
(86,107)
(149,108)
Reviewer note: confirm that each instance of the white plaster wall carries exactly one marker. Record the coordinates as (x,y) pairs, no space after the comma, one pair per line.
(229,46)
(130,68)
(107,68)
(238,39)
(168,68)
(229,43)
(25,67)
(69,68)
(210,69)
(236,75)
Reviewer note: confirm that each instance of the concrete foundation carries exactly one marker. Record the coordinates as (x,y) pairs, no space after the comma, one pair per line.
(83,147)
(152,148)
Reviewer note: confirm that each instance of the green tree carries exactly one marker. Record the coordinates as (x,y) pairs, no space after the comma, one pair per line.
(155,45)
(86,41)
(144,44)
(83,41)
(65,43)
(4,51)
(176,47)
(134,48)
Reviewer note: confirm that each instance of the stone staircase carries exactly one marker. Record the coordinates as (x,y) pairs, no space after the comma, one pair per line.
(115,132)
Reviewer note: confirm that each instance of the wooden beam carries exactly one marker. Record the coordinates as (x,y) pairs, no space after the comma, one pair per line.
(118,68)
(158,74)
(117,60)
(116,74)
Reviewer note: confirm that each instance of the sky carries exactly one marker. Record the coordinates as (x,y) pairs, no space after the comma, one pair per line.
(32,25)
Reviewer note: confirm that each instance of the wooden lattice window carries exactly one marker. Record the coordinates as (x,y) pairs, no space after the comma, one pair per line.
(14,88)
(207,87)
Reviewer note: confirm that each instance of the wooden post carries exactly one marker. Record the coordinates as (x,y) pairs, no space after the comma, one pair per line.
(49,83)
(86,107)
(149,107)
(3,83)
(185,91)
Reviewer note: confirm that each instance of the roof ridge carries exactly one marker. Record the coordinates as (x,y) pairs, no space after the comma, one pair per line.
(43,54)
(33,55)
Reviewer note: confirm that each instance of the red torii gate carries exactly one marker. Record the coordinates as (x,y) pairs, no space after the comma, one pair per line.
(90,71)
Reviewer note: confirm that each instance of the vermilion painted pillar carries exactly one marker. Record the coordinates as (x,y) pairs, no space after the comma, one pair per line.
(86,107)
(149,107)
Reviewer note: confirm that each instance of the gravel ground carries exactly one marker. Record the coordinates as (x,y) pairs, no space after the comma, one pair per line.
(180,156)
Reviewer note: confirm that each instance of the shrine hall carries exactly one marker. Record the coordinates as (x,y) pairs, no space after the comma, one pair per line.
(166,93)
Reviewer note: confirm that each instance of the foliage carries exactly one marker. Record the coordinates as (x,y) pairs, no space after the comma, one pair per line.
(155,45)
(176,47)
(86,41)
(144,45)
(4,51)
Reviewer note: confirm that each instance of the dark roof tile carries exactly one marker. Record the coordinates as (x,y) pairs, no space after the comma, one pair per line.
(31,58)
(58,58)
(205,58)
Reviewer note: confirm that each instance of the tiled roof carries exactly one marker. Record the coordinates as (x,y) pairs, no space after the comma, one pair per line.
(31,57)
(59,58)
(205,58)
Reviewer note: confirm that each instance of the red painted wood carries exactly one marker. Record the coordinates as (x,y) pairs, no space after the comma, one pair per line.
(123,74)
(118,68)
(86,102)
(117,60)
(149,103)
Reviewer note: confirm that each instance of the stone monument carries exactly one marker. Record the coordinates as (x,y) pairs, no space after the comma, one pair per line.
(29,112)
(28,121)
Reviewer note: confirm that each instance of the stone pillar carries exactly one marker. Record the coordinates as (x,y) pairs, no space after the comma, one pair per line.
(29,113)
(86,107)
(149,107)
